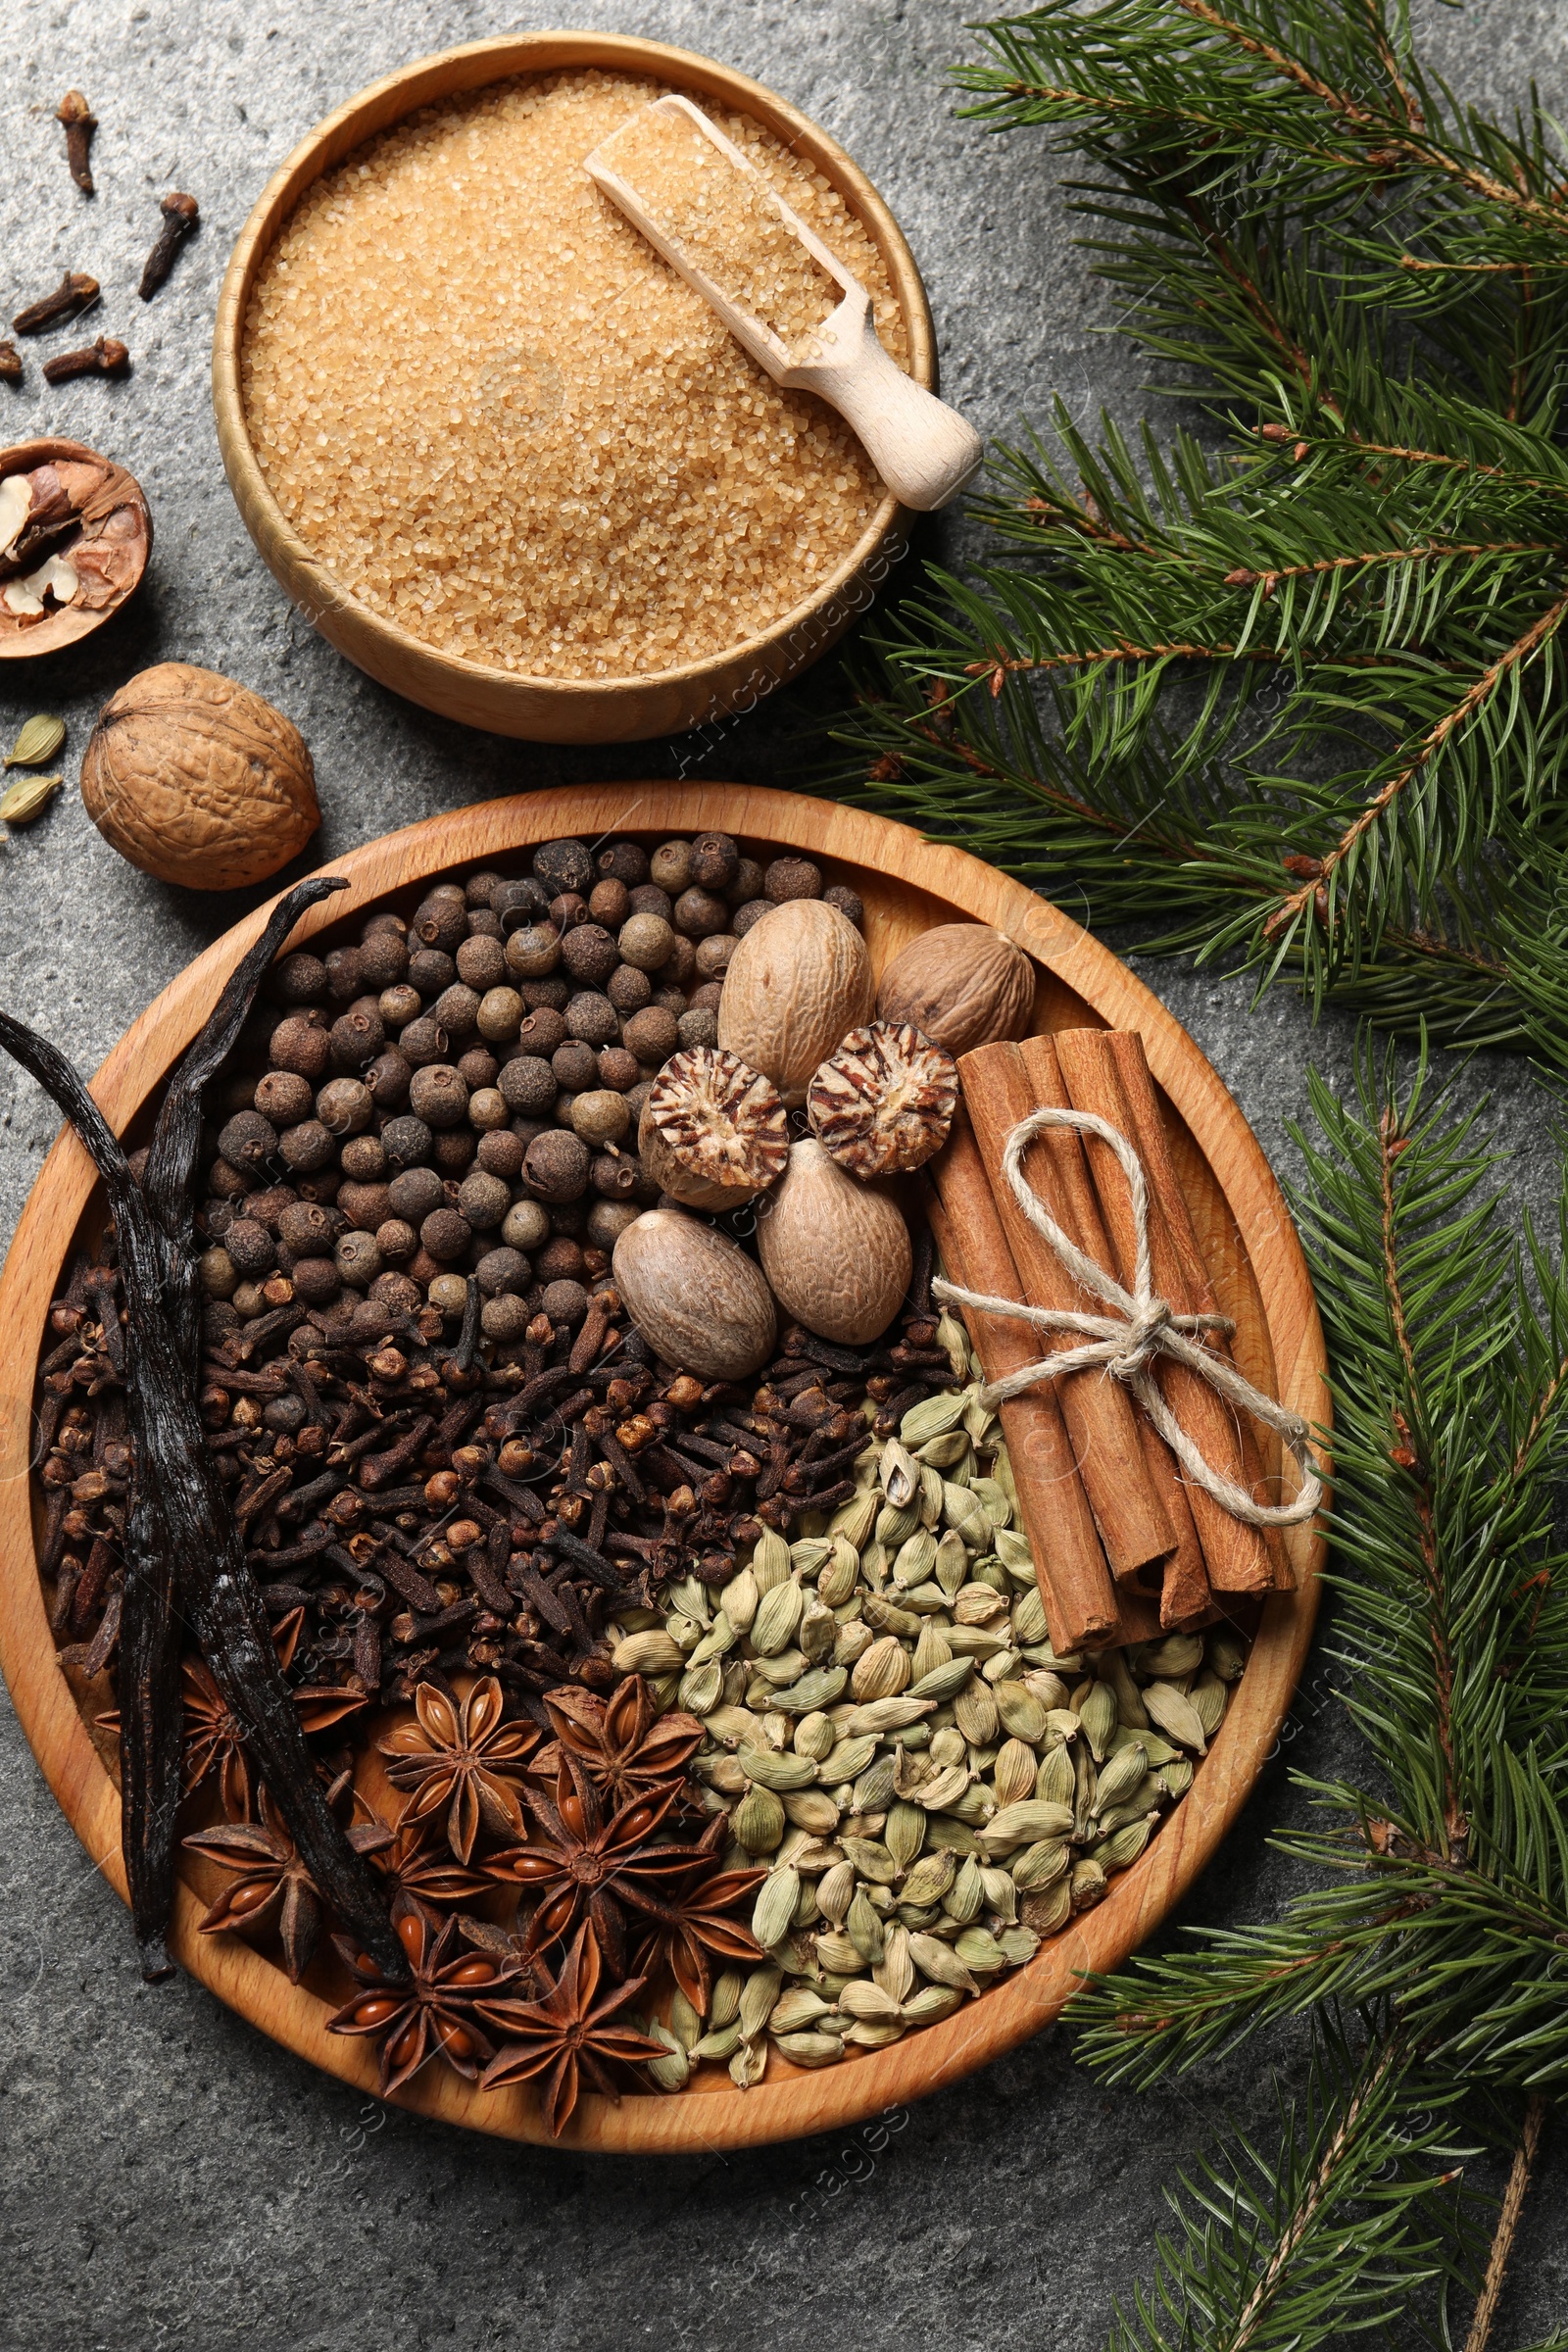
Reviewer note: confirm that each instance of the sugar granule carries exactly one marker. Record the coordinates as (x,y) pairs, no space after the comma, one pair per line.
(498,419)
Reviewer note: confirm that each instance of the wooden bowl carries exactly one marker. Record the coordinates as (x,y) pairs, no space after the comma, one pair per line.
(1259,1274)
(553,709)
(24,641)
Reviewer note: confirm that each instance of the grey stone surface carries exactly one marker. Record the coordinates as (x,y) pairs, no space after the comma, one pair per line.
(168,2178)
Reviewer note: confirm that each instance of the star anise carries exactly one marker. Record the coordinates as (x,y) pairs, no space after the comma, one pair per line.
(626,1748)
(569,2036)
(463,1757)
(405,1856)
(270,1883)
(433,2013)
(215,1741)
(693,1922)
(583,1863)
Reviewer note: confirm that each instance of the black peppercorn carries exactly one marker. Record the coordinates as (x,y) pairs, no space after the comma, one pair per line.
(284,1098)
(438,1096)
(519,903)
(592,1019)
(441,920)
(406,1141)
(345,974)
(500,1153)
(556,1165)
(624,862)
(301,1045)
(415,1194)
(423,1041)
(542,1032)
(627,988)
(247,1140)
(575,1065)
(528,1084)
(791,878)
(457,1008)
(300,978)
(306,1149)
(564,1302)
(383,960)
(356,1037)
(590,954)
(848,905)
(564,865)
(445,1234)
(387,1078)
(715,861)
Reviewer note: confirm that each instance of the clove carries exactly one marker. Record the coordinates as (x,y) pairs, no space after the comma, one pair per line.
(106,357)
(81,123)
(75,293)
(10,363)
(181,216)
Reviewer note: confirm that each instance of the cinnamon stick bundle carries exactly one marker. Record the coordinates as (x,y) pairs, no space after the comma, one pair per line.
(1106,1071)
(1185,1596)
(1135,1528)
(1081,1602)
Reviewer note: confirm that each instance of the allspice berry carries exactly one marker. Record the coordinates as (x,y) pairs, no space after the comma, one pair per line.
(714,863)
(197,780)
(791,878)
(555,1166)
(645,942)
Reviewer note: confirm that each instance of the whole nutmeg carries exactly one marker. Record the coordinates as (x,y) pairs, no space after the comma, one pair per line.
(713,1133)
(198,781)
(695,1295)
(796,984)
(836,1253)
(963,985)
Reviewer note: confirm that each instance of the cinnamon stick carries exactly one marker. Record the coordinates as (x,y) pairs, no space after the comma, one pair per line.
(1101,1227)
(1105,1072)
(1075,1585)
(1134,1525)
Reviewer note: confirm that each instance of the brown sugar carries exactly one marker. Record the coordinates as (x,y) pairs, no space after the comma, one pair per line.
(498,420)
(726,221)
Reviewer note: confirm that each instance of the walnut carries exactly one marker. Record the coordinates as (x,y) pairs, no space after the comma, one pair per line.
(885,1101)
(713,1132)
(197,780)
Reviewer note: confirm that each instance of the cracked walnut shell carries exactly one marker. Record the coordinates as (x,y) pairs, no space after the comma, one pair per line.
(197,780)
(713,1132)
(885,1101)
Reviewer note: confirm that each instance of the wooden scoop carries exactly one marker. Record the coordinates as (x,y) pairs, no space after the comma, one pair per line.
(922,449)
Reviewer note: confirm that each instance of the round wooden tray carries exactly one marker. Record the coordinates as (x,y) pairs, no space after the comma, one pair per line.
(554,709)
(1259,1271)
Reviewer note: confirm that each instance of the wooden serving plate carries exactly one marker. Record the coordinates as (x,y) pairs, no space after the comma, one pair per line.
(554,709)
(1260,1273)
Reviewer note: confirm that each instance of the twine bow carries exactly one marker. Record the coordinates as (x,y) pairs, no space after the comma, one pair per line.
(1139,1328)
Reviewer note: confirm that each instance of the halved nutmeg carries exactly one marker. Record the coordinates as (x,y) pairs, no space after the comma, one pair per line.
(885,1101)
(713,1132)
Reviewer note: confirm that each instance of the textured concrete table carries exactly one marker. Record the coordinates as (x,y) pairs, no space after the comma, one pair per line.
(167,2178)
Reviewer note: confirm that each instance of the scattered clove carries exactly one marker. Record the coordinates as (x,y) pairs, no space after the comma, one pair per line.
(81,123)
(10,363)
(106,357)
(181,216)
(76,292)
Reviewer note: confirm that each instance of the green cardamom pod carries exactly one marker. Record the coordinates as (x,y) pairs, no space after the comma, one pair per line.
(775,1907)
(39,740)
(28,797)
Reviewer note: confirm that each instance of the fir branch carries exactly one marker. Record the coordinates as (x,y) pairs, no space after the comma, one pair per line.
(1446,1895)
(1305,696)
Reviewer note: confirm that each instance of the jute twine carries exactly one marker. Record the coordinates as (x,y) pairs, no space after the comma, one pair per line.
(1138,1328)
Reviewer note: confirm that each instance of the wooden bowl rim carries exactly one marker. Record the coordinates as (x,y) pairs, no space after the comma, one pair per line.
(498,60)
(791,2105)
(25,644)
